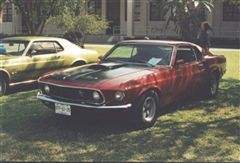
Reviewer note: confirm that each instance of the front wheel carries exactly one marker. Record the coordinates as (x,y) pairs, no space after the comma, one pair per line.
(144,113)
(3,86)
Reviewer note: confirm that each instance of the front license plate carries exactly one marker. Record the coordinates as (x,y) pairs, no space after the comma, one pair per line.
(62,109)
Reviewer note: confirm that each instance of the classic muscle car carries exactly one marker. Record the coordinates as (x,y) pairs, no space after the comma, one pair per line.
(139,77)
(26,58)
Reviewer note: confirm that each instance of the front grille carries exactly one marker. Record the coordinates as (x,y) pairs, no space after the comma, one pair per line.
(69,94)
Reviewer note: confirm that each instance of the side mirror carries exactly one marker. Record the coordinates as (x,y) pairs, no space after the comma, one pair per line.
(179,62)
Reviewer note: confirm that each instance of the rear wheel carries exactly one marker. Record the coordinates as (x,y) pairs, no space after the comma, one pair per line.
(3,86)
(212,89)
(144,113)
(79,63)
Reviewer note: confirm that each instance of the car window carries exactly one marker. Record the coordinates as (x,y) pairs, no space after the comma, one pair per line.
(139,53)
(44,47)
(58,47)
(12,47)
(198,54)
(123,52)
(186,54)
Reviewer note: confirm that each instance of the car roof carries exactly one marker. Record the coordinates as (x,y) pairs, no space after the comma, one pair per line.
(157,42)
(32,38)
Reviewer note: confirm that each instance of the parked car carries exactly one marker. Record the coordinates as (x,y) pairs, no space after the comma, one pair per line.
(139,77)
(26,58)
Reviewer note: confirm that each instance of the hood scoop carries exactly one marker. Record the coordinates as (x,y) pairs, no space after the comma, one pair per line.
(106,66)
(91,73)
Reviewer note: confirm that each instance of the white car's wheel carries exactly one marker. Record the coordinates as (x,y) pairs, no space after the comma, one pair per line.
(3,86)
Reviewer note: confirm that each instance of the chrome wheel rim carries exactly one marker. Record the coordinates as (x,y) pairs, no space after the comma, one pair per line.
(149,109)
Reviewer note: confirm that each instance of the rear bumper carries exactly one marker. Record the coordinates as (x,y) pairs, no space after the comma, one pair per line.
(49,99)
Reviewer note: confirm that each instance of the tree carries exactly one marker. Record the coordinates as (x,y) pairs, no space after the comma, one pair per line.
(235,2)
(77,24)
(36,12)
(187,16)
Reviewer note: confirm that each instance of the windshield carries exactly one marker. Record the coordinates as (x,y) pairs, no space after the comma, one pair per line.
(12,47)
(152,55)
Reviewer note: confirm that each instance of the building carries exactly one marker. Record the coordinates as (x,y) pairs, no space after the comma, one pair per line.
(135,18)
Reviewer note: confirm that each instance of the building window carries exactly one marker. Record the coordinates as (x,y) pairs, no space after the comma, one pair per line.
(7,13)
(156,10)
(95,7)
(137,10)
(125,10)
(231,12)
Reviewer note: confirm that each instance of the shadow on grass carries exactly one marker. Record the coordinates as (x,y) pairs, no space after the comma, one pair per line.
(107,136)
(228,95)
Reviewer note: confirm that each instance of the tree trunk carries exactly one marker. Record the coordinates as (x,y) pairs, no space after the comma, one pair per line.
(82,40)
(40,27)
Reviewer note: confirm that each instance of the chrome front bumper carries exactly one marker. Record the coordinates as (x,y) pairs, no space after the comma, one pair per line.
(46,98)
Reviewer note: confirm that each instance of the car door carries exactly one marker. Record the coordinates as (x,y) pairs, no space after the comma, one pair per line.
(186,72)
(201,70)
(43,56)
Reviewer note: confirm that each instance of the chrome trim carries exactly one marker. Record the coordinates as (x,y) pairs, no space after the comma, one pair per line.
(46,98)
(75,87)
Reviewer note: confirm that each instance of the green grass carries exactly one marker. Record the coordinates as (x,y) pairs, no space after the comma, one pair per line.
(200,130)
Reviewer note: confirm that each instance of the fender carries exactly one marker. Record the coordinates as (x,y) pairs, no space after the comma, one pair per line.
(5,72)
(79,60)
(215,69)
(145,89)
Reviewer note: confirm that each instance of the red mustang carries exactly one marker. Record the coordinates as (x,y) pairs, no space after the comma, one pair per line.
(139,76)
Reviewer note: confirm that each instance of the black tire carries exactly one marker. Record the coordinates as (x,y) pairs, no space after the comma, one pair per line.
(144,112)
(3,86)
(213,86)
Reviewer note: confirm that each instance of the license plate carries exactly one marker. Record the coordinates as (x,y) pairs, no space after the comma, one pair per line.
(62,109)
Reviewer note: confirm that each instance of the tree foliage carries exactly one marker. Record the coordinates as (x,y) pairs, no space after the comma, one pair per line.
(187,16)
(235,2)
(77,23)
(36,12)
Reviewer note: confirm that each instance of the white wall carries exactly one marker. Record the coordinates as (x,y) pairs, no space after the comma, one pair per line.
(145,27)
(14,27)
(227,29)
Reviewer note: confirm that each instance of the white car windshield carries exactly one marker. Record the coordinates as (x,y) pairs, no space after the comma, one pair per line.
(138,53)
(12,47)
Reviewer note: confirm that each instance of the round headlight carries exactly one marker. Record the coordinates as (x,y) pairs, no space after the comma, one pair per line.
(47,89)
(96,96)
(119,96)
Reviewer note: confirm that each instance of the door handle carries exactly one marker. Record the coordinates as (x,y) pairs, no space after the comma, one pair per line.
(57,57)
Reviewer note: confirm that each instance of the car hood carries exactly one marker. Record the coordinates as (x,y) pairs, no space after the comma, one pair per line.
(95,75)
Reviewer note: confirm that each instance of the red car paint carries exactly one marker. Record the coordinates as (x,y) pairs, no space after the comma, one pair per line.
(171,81)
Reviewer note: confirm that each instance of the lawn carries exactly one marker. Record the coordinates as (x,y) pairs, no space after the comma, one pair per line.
(200,130)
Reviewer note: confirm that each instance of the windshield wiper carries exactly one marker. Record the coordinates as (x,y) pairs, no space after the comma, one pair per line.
(141,62)
(113,60)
